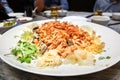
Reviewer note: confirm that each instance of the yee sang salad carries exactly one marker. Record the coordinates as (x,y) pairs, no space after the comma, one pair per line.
(55,43)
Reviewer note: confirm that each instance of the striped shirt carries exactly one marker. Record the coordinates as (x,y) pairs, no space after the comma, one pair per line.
(107,6)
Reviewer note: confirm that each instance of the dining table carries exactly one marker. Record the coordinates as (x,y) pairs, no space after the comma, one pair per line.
(112,73)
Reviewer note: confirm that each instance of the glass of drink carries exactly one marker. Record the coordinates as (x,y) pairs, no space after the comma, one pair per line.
(28,11)
(98,13)
(54,12)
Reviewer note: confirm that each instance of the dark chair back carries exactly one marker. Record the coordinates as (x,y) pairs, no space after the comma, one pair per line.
(3,14)
(81,5)
(20,5)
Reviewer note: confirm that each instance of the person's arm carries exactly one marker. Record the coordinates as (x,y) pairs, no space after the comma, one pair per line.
(6,6)
(40,5)
(64,4)
(97,5)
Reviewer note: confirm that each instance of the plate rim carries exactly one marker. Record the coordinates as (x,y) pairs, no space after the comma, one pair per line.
(56,74)
(7,27)
(27,18)
(16,14)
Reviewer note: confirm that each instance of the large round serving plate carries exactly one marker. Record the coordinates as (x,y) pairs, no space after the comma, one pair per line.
(109,36)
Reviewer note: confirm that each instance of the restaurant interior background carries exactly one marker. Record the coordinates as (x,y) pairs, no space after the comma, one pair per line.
(76,8)
(74,5)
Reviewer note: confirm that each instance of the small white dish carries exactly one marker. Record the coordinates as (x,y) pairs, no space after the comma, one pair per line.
(116,16)
(107,14)
(47,13)
(102,20)
(62,13)
(24,19)
(9,23)
(16,14)
(75,18)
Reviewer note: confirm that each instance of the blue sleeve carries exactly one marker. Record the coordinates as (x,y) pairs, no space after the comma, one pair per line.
(6,6)
(97,5)
(64,4)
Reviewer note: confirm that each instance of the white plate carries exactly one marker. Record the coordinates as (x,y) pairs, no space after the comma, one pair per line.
(112,49)
(25,19)
(116,16)
(47,13)
(61,13)
(0,35)
(2,25)
(75,18)
(107,14)
(16,14)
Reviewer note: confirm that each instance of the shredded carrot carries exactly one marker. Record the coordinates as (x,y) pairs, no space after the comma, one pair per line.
(64,37)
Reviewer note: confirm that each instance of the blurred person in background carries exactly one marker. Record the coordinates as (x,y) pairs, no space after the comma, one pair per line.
(21,5)
(40,5)
(81,5)
(4,3)
(59,4)
(107,5)
(4,10)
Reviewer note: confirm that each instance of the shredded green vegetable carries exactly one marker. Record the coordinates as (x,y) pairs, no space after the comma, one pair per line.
(102,57)
(25,51)
(108,57)
(27,35)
